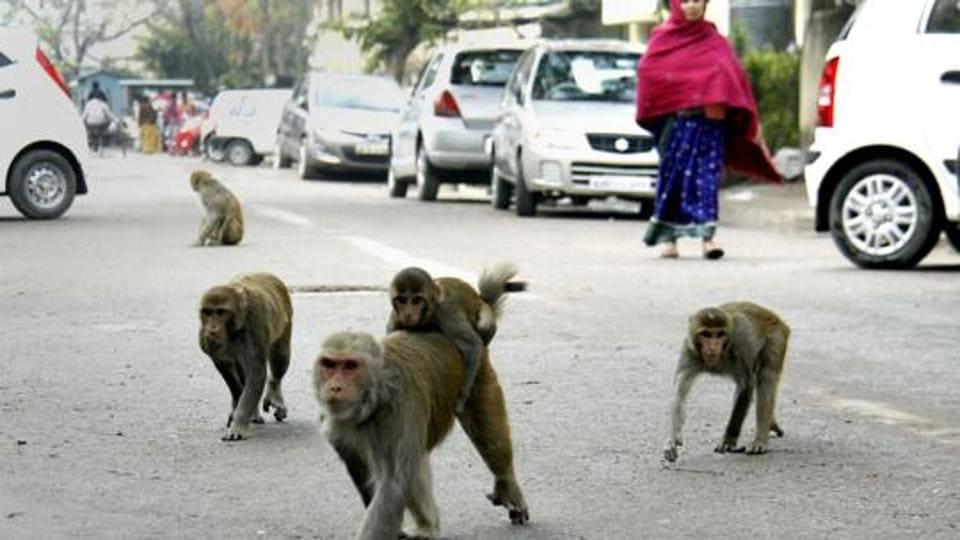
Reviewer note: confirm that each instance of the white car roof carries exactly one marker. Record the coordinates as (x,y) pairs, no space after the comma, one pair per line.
(17,42)
(498,45)
(611,45)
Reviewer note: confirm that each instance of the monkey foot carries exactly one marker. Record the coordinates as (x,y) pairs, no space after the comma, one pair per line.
(757,448)
(729,448)
(280,414)
(256,419)
(776,429)
(670,453)
(233,436)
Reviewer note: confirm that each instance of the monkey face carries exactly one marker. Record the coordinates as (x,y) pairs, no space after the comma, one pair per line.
(340,381)
(221,315)
(411,309)
(710,345)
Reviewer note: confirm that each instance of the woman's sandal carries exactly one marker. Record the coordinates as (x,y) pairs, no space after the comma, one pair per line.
(713,253)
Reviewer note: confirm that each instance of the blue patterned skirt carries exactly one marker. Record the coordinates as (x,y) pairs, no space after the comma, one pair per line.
(691,167)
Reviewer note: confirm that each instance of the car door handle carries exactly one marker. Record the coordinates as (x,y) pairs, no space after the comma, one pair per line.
(7,94)
(950,77)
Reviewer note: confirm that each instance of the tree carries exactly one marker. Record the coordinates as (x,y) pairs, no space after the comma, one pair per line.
(72,28)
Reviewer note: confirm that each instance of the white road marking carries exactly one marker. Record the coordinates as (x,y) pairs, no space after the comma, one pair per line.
(745,195)
(283,215)
(400,258)
(890,416)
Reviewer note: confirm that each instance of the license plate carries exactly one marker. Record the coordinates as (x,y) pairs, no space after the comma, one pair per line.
(622,183)
(376,149)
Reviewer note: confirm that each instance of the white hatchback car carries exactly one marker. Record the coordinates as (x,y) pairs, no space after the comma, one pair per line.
(566,128)
(882,171)
(42,142)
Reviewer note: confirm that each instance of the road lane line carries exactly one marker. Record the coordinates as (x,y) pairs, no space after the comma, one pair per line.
(283,215)
(885,414)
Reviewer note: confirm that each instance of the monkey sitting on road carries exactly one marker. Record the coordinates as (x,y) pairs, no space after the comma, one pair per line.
(223,220)
(745,342)
(245,330)
(386,405)
(451,306)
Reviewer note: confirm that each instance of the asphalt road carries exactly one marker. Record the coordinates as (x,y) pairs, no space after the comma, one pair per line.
(110,415)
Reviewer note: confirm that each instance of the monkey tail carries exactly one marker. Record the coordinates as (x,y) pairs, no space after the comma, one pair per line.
(497,281)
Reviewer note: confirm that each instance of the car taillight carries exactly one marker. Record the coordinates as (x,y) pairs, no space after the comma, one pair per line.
(827,93)
(446,105)
(49,68)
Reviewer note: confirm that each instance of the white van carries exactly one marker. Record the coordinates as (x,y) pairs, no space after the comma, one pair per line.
(241,126)
(883,169)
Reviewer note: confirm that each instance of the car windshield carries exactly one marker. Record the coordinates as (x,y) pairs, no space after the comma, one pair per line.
(367,93)
(587,76)
(484,68)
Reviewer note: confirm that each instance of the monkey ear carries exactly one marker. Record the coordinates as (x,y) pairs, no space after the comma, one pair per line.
(243,305)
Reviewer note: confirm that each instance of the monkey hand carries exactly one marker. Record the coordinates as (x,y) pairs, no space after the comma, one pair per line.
(234,433)
(729,447)
(757,448)
(670,451)
(507,494)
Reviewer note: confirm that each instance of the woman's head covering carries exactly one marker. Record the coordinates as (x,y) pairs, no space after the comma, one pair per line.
(688,64)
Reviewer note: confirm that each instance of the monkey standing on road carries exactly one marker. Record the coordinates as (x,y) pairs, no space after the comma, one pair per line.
(386,406)
(745,342)
(245,330)
(451,306)
(223,220)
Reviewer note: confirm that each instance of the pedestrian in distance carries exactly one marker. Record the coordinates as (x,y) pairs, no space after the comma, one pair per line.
(694,96)
(97,117)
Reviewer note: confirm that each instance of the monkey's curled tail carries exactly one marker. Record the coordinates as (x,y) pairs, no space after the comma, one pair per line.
(497,281)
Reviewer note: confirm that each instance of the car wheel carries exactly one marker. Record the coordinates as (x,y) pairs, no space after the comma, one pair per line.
(427,181)
(215,152)
(953,234)
(280,160)
(526,200)
(304,168)
(646,208)
(397,188)
(42,184)
(500,190)
(882,215)
(239,152)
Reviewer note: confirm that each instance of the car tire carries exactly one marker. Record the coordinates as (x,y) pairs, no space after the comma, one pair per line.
(214,152)
(304,167)
(239,152)
(501,191)
(428,183)
(882,215)
(396,187)
(280,160)
(952,231)
(646,208)
(526,202)
(42,184)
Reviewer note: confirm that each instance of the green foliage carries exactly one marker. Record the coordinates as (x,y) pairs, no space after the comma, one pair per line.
(775,79)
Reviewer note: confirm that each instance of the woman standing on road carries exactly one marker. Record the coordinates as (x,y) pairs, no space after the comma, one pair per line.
(694,96)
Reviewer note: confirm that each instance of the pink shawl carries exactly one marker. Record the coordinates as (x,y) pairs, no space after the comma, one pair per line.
(688,65)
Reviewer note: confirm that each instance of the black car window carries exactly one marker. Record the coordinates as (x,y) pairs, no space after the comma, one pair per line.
(945,18)
(483,68)
(4,60)
(587,76)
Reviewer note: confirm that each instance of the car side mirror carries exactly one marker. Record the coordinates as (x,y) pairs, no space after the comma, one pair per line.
(302,102)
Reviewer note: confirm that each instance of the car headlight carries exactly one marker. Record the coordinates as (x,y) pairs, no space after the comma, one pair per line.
(557,139)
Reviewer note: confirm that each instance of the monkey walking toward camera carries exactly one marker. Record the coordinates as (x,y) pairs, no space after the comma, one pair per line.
(223,220)
(245,329)
(386,405)
(451,306)
(742,341)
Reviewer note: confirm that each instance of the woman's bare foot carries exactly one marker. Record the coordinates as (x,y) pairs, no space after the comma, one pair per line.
(711,251)
(670,251)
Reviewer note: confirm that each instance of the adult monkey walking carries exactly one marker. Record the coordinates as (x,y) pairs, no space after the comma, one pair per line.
(386,405)
(742,341)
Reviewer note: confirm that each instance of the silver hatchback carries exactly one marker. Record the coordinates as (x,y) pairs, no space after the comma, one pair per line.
(566,128)
(451,110)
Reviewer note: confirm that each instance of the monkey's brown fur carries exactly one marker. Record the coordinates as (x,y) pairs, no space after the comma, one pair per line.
(742,341)
(245,329)
(385,414)
(223,220)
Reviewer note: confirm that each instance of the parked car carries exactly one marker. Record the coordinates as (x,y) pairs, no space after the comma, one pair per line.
(566,128)
(450,112)
(882,171)
(339,122)
(241,125)
(41,158)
